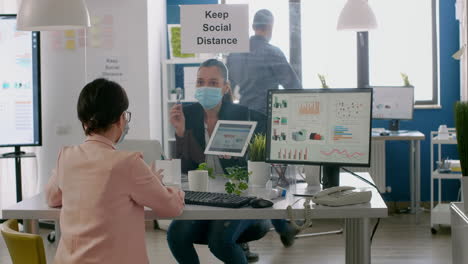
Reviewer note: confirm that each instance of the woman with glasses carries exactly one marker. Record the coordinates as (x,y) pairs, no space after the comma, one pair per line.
(103,191)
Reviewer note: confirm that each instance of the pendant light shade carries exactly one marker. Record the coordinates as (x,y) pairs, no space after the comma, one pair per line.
(44,15)
(357,16)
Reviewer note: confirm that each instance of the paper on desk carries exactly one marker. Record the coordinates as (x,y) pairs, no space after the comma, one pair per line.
(190,80)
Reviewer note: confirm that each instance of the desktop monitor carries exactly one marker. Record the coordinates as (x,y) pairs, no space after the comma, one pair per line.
(393,103)
(20,102)
(329,127)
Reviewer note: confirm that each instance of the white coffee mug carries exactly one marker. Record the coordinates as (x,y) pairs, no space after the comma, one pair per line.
(198,180)
(312,175)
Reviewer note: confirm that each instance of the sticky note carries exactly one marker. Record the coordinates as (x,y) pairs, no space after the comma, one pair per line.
(108,20)
(70,33)
(70,44)
(95,30)
(95,20)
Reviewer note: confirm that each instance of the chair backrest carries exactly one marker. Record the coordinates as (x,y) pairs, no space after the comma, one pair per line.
(151,149)
(24,248)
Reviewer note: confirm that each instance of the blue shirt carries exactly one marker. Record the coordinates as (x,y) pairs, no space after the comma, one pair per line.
(265,67)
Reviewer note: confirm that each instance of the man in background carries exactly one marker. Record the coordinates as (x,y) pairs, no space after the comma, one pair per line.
(265,67)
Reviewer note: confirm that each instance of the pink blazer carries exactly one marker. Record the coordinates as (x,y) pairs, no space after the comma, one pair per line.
(103,192)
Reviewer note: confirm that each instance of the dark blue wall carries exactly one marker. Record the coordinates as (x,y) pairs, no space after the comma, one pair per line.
(173,17)
(173,13)
(424,120)
(429,120)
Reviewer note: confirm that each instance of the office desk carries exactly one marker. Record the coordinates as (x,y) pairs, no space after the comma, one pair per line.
(357,217)
(459,223)
(414,137)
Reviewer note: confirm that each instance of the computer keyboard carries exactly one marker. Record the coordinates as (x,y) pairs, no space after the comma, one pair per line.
(216,199)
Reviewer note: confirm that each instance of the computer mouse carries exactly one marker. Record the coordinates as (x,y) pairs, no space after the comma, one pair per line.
(261,203)
(385,133)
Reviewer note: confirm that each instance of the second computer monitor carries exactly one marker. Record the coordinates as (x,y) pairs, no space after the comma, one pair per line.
(393,103)
(330,127)
(319,126)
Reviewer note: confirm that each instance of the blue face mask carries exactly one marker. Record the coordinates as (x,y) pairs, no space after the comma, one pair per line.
(124,133)
(208,97)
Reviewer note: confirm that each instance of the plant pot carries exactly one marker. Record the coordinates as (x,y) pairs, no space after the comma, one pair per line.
(260,173)
(464,183)
(198,180)
(173,97)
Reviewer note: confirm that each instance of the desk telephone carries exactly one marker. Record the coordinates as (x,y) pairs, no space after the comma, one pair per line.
(342,195)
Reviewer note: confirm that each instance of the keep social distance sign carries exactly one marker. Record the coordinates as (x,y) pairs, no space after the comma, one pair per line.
(214,28)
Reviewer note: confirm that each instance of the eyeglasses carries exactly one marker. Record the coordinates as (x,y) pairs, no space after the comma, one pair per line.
(128,116)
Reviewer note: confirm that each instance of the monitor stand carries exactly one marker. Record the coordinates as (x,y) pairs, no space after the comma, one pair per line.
(17,155)
(330,176)
(394,127)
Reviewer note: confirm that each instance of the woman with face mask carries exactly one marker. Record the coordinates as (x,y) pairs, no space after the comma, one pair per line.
(194,125)
(103,191)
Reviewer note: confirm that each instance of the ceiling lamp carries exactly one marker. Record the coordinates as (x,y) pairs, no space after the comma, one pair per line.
(45,15)
(357,16)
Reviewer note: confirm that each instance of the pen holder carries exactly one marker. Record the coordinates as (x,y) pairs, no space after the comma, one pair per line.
(172,171)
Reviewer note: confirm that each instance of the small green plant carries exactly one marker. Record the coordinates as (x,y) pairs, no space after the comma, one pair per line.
(238,177)
(257,148)
(204,166)
(323,80)
(405,78)
(461,125)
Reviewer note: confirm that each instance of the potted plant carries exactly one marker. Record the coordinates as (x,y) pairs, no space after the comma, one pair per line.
(238,177)
(204,167)
(405,79)
(259,170)
(323,80)
(461,125)
(173,95)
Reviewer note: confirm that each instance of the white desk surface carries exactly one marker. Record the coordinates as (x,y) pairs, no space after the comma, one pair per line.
(459,209)
(36,207)
(410,135)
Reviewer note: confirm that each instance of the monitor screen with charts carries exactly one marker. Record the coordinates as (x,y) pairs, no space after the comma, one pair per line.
(319,126)
(230,138)
(393,102)
(20,102)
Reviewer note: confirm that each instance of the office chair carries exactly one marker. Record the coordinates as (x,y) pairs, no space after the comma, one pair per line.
(253,233)
(24,248)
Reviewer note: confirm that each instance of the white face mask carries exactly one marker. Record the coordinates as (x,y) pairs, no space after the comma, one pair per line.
(124,133)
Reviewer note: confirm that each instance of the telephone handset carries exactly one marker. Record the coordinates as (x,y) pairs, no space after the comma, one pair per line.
(342,195)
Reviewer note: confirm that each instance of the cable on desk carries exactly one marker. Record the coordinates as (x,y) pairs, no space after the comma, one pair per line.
(307,215)
(373,185)
(361,178)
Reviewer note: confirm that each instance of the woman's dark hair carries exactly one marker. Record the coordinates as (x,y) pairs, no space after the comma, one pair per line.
(224,73)
(218,64)
(101,103)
